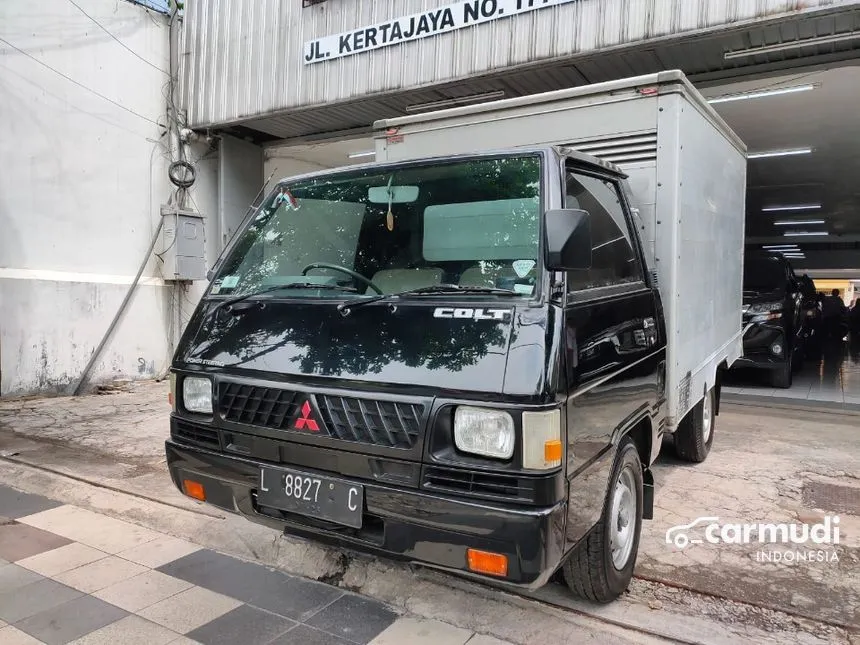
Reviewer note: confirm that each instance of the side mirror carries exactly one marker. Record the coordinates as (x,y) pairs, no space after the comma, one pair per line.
(568,239)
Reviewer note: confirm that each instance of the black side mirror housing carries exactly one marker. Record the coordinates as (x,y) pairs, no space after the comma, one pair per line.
(568,239)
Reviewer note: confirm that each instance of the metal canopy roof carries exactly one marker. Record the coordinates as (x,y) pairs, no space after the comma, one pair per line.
(700,56)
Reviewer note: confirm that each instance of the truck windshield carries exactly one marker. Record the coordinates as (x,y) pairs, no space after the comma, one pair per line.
(763,274)
(471,223)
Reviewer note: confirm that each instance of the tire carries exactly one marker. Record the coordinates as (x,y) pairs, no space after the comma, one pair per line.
(695,433)
(799,357)
(782,377)
(591,571)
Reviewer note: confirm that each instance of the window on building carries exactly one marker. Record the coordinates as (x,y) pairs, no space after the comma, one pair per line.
(613,259)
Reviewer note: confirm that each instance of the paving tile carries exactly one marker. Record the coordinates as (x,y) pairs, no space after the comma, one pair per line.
(142,590)
(15,504)
(245,625)
(13,636)
(34,598)
(131,630)
(65,558)
(100,574)
(19,541)
(296,598)
(230,576)
(419,631)
(183,640)
(159,552)
(95,530)
(354,618)
(204,567)
(70,620)
(304,635)
(189,609)
(252,583)
(12,577)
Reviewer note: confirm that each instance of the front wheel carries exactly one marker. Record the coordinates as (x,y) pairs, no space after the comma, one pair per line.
(695,433)
(601,566)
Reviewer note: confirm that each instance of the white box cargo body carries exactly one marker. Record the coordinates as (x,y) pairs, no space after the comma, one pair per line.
(687,174)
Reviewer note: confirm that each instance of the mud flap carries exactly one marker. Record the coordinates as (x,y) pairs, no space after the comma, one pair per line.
(647,494)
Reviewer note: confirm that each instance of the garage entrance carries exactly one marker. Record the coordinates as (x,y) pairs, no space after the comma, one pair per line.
(803,205)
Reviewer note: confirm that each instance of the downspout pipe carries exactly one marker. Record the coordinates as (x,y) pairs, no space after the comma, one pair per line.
(82,380)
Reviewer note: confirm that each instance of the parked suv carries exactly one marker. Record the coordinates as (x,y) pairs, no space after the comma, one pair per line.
(772,310)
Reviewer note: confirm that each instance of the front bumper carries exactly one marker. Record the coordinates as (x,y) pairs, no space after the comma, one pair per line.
(429,529)
(757,342)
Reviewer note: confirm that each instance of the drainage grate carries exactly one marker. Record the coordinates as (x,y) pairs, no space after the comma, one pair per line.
(832,497)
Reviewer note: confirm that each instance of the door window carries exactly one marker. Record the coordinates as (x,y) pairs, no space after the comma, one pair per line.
(613,259)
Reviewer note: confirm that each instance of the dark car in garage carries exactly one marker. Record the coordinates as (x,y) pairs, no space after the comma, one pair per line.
(773,312)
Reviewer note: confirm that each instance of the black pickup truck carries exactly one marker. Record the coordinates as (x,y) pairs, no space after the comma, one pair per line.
(455,361)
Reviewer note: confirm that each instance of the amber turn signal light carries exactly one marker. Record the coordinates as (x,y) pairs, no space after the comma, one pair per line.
(194,489)
(552,452)
(494,564)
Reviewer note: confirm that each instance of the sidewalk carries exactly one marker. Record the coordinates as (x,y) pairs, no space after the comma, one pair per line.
(68,575)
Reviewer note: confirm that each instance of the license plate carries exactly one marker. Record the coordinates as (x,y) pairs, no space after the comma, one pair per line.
(325,498)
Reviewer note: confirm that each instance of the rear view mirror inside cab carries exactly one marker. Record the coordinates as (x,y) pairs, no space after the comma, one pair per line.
(392,194)
(568,239)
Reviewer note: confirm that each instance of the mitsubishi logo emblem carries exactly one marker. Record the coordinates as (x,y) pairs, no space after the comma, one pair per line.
(305,421)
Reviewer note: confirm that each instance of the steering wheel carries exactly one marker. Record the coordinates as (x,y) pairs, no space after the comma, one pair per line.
(349,272)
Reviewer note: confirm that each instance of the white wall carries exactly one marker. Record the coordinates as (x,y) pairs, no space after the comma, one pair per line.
(81,182)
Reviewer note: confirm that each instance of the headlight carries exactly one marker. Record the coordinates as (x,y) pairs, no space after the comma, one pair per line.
(197,394)
(764,311)
(484,432)
(765,308)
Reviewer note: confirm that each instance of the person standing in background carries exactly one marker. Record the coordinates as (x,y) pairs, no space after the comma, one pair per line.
(833,311)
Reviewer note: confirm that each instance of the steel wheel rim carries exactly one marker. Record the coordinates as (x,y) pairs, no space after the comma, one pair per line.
(707,418)
(622,518)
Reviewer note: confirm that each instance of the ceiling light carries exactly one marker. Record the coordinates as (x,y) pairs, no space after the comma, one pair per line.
(758,94)
(804,233)
(795,44)
(798,222)
(798,207)
(460,100)
(367,153)
(779,153)
(779,246)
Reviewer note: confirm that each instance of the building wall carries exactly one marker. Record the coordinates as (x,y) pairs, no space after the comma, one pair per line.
(81,183)
(247,58)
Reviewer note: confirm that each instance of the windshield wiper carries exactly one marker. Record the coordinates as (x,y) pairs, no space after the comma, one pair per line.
(229,302)
(435,289)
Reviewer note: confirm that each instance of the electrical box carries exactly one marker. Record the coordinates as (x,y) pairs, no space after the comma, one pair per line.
(183,245)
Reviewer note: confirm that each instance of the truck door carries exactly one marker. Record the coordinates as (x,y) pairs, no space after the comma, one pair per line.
(614,343)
